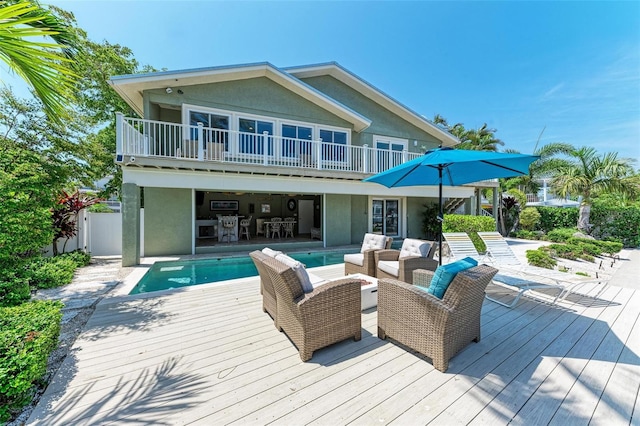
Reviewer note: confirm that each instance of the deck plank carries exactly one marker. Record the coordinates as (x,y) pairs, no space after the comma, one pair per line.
(210,355)
(503,407)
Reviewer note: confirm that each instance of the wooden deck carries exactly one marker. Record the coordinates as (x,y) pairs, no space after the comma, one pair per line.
(209,355)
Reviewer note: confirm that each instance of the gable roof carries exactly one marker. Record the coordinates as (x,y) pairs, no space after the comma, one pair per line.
(130,87)
(345,76)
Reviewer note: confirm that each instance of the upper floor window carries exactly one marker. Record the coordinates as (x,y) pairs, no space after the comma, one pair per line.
(215,127)
(333,152)
(251,136)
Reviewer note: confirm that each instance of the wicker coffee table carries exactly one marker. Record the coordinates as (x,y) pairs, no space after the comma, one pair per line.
(368,292)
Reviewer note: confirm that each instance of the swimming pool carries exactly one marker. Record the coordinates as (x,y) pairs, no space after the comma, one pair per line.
(183,273)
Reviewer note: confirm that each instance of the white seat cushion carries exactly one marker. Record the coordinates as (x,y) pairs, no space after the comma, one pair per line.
(299,269)
(413,247)
(391,267)
(373,241)
(316,281)
(354,258)
(271,253)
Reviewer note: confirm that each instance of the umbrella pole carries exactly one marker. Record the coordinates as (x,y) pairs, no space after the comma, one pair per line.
(440,216)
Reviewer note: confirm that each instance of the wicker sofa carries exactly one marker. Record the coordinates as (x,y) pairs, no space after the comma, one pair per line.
(400,264)
(364,262)
(436,328)
(327,314)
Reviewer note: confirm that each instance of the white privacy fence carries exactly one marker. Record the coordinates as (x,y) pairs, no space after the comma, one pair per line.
(99,234)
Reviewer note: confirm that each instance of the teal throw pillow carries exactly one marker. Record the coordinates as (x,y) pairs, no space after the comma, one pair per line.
(446,273)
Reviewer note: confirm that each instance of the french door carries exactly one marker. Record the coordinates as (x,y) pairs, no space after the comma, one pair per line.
(385,217)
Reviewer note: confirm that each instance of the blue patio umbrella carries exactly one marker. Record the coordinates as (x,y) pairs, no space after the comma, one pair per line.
(448,166)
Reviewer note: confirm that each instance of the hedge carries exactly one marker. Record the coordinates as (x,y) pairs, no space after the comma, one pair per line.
(28,334)
(471,225)
(618,223)
(555,217)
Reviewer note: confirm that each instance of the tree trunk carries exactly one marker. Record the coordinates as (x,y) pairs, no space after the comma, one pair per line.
(583,218)
(55,247)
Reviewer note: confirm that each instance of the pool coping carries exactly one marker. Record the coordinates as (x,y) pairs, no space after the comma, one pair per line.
(121,291)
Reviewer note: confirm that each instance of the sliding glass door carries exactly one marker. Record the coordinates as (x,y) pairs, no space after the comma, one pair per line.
(385,217)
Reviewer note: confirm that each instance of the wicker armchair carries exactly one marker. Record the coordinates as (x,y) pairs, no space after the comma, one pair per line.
(328,314)
(269,304)
(436,328)
(400,264)
(365,262)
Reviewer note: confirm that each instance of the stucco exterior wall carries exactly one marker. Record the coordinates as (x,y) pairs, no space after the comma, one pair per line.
(383,122)
(359,217)
(260,96)
(415,209)
(168,222)
(338,220)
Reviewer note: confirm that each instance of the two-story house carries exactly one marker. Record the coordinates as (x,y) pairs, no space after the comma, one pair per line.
(262,141)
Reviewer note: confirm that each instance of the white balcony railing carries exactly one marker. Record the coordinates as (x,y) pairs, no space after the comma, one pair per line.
(149,138)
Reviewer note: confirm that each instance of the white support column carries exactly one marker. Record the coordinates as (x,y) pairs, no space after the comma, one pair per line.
(319,154)
(200,142)
(365,159)
(119,129)
(265,148)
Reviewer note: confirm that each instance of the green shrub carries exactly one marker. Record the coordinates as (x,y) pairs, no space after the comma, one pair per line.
(50,272)
(619,223)
(553,217)
(564,251)
(527,235)
(79,257)
(99,208)
(471,225)
(541,259)
(529,218)
(28,334)
(560,235)
(14,290)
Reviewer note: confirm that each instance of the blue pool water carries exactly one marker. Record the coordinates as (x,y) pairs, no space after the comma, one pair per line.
(183,273)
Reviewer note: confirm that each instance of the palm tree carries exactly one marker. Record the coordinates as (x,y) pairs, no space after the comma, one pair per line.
(483,139)
(44,63)
(586,173)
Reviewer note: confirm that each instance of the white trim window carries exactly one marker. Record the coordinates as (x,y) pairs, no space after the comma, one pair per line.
(332,150)
(287,139)
(390,151)
(215,127)
(251,136)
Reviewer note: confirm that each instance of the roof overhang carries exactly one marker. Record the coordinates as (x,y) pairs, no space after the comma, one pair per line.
(345,76)
(131,87)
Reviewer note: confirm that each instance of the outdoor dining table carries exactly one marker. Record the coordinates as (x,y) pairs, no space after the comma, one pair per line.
(267,224)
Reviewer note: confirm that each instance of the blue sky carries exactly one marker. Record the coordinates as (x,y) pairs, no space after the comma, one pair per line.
(570,68)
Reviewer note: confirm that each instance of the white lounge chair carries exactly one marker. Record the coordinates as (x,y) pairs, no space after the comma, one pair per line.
(523,277)
(461,246)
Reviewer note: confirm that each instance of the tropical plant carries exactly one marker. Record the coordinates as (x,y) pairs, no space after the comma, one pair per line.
(586,173)
(482,139)
(529,218)
(39,48)
(65,216)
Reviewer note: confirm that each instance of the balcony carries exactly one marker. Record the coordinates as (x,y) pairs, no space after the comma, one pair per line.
(174,145)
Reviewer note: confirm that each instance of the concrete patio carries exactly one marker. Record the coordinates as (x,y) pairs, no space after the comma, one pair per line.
(209,355)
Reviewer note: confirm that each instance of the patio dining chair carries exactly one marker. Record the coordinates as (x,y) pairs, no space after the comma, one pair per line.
(228,227)
(276,225)
(287,227)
